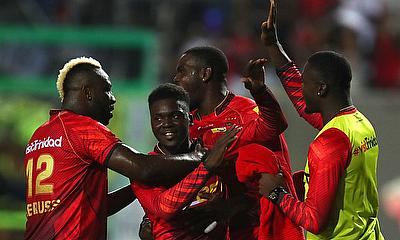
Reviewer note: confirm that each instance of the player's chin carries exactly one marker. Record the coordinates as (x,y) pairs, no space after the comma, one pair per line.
(106,121)
(169,142)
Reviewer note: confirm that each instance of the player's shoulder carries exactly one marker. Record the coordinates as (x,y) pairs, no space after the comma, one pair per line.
(331,137)
(242,104)
(242,101)
(71,116)
(79,124)
(77,119)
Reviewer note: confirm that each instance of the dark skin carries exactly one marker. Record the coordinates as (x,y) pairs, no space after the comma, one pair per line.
(207,89)
(321,95)
(145,229)
(89,94)
(119,199)
(170,121)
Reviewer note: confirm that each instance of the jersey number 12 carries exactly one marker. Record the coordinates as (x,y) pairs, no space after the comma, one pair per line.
(43,174)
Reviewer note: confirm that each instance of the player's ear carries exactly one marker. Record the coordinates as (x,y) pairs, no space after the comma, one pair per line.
(206,74)
(87,93)
(322,89)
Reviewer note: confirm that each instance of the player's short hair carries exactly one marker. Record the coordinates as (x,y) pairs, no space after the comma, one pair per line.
(332,67)
(169,91)
(72,64)
(211,57)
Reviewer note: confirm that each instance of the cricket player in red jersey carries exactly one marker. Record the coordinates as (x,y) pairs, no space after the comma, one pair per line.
(66,160)
(340,176)
(202,72)
(166,207)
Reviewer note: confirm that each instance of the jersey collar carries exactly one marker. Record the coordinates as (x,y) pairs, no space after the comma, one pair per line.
(219,108)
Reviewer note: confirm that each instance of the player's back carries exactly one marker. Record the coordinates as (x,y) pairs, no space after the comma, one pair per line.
(65,186)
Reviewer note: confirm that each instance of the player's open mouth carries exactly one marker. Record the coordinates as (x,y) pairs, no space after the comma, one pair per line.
(169,135)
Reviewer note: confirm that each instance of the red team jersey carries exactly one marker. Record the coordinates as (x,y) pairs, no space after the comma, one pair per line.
(332,144)
(66,178)
(263,122)
(165,206)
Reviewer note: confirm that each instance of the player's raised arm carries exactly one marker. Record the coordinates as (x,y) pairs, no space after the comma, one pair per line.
(253,78)
(269,36)
(287,71)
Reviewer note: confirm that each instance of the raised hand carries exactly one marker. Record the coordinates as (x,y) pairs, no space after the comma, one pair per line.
(253,76)
(269,35)
(216,155)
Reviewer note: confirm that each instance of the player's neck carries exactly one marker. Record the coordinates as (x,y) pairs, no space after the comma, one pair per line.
(183,148)
(333,109)
(212,101)
(73,107)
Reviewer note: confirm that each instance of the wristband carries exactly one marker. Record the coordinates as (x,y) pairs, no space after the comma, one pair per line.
(277,194)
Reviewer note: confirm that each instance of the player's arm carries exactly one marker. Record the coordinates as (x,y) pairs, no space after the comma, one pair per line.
(96,142)
(287,71)
(328,159)
(152,169)
(119,199)
(271,122)
(166,204)
(269,36)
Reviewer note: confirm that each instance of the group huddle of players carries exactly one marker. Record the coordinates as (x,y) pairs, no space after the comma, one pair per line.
(221,167)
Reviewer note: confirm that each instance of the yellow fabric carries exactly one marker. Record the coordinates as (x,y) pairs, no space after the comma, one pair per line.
(355,209)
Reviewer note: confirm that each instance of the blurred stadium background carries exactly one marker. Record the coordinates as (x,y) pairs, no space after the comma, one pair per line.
(138,43)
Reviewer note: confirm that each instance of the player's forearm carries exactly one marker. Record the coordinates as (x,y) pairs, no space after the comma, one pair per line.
(292,80)
(328,158)
(151,169)
(173,169)
(119,199)
(276,55)
(270,111)
(177,197)
(302,214)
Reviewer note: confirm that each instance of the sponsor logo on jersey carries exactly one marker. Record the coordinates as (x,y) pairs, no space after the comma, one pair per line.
(218,129)
(365,145)
(45,143)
